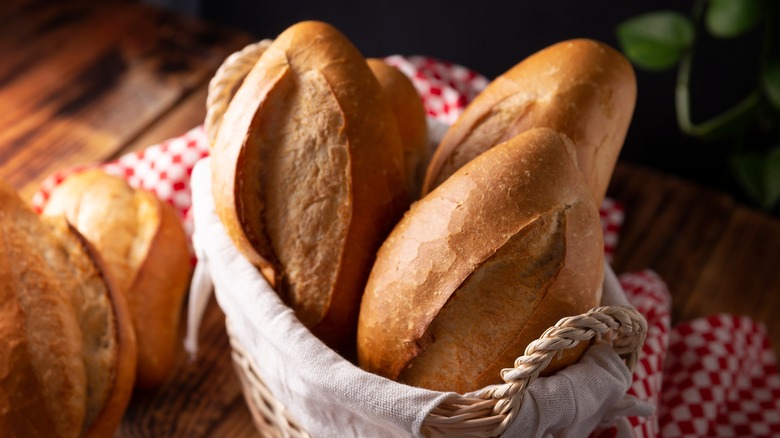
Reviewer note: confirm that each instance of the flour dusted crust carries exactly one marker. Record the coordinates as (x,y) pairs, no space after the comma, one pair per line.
(483,265)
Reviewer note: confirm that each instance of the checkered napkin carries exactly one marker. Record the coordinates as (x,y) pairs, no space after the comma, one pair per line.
(713,376)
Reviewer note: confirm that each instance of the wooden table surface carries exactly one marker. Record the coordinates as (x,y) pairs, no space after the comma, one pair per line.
(87,81)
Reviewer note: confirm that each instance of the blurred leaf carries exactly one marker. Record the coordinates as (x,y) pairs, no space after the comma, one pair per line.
(749,167)
(731,18)
(759,175)
(772,178)
(772,83)
(656,40)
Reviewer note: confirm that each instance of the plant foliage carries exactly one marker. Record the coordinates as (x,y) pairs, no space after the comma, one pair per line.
(661,40)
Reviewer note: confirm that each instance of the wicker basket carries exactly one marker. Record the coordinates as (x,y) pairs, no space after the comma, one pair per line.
(487,415)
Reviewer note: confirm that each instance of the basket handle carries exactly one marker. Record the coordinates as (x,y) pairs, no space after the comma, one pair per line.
(225,83)
(494,410)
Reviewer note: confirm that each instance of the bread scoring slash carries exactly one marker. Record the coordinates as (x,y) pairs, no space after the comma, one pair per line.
(481,266)
(308,174)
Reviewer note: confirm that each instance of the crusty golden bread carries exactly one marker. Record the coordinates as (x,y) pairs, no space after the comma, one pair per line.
(119,389)
(308,175)
(483,265)
(581,88)
(410,115)
(146,250)
(67,347)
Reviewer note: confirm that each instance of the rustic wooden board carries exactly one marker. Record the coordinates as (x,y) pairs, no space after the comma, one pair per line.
(715,256)
(742,276)
(200,397)
(671,227)
(103,74)
(186,115)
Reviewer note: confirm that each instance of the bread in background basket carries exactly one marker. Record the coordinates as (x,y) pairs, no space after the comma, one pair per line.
(146,250)
(67,346)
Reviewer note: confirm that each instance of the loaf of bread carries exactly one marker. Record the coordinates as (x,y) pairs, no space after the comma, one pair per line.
(146,250)
(410,115)
(581,88)
(67,347)
(308,174)
(481,266)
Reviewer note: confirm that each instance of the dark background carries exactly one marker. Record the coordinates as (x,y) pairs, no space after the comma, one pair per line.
(492,36)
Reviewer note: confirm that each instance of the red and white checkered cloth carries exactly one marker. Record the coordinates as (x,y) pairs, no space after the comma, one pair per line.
(713,376)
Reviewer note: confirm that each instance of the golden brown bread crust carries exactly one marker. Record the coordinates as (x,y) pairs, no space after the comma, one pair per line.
(109,418)
(482,266)
(146,250)
(156,295)
(68,351)
(308,174)
(76,270)
(107,415)
(410,115)
(23,410)
(581,88)
(42,382)
(119,221)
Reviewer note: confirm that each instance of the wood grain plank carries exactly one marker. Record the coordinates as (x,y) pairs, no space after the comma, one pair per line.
(108,94)
(743,275)
(671,226)
(71,65)
(198,396)
(43,28)
(237,423)
(184,116)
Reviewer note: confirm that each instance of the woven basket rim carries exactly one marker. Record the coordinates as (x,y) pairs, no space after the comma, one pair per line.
(487,415)
(494,408)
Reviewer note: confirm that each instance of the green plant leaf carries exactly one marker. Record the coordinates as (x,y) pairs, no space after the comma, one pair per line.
(771,82)
(772,178)
(759,175)
(731,18)
(656,40)
(749,169)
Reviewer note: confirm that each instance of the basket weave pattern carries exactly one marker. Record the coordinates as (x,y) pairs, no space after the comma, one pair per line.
(270,416)
(487,415)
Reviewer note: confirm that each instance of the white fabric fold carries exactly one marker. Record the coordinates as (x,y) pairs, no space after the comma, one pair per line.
(200,292)
(330,397)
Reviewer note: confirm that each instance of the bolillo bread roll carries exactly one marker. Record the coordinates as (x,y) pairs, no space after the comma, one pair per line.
(67,346)
(146,250)
(410,115)
(481,266)
(581,88)
(308,174)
